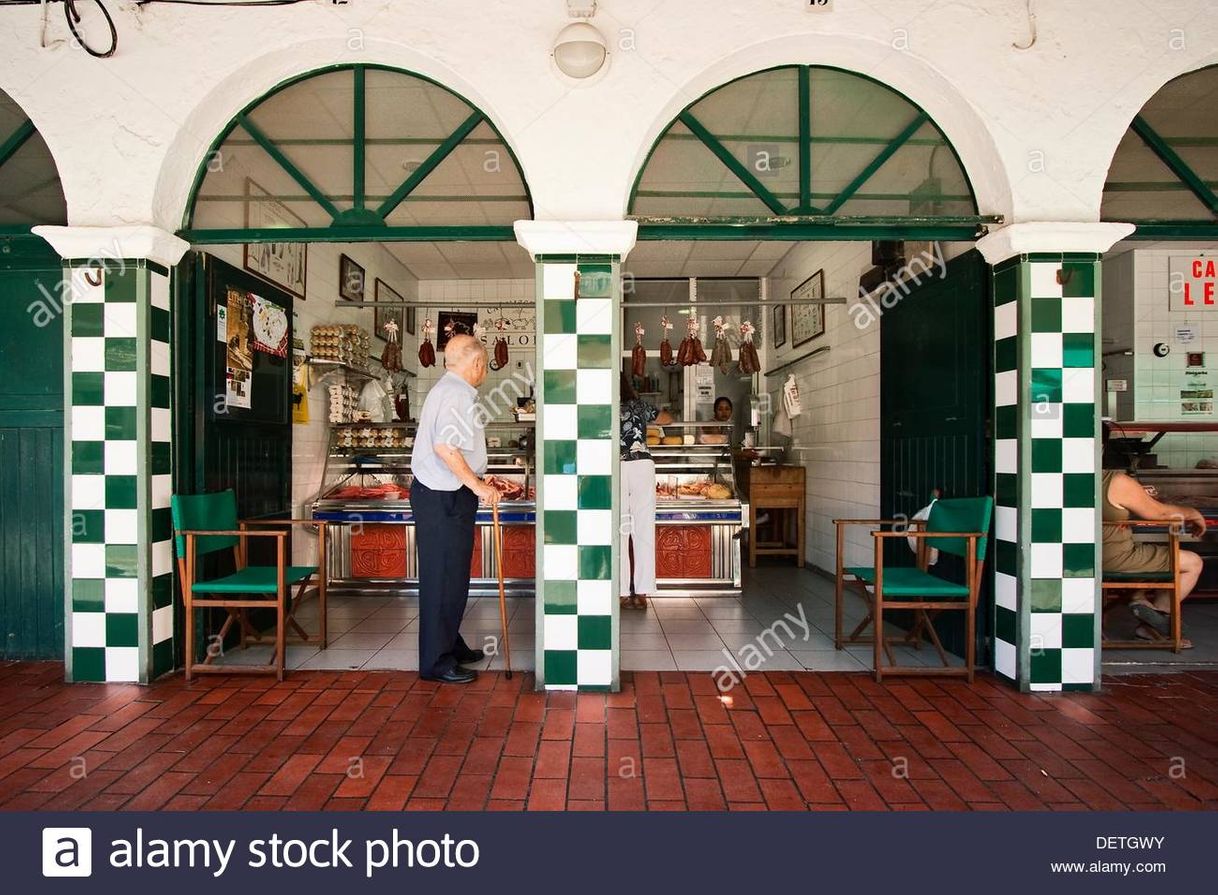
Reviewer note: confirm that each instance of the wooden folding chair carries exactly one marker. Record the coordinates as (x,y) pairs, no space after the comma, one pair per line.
(957,526)
(207,523)
(1117,587)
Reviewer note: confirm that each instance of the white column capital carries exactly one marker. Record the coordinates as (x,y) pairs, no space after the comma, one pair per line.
(577,237)
(114,243)
(1050,236)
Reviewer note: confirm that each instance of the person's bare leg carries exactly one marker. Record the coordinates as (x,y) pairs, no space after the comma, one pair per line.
(1190,571)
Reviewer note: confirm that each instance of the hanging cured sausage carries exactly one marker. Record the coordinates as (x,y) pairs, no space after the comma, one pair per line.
(500,351)
(721,354)
(750,363)
(427,351)
(638,357)
(666,353)
(391,357)
(691,351)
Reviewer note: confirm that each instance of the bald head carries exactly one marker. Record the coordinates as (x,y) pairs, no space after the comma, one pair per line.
(466,356)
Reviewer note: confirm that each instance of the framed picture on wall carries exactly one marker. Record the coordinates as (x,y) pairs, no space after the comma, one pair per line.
(780,325)
(454,323)
(381,316)
(350,279)
(410,321)
(283,264)
(808,320)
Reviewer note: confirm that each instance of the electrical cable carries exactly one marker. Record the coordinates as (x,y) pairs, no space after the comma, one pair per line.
(73,17)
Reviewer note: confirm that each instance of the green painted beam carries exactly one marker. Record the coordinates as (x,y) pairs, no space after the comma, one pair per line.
(721,152)
(429,164)
(1178,166)
(803,232)
(16,140)
(286,163)
(358,144)
(876,163)
(805,138)
(349,234)
(1175,230)
(346,197)
(740,194)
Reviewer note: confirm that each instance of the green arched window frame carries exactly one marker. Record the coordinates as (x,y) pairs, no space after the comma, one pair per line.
(364,221)
(1185,178)
(17,242)
(810,216)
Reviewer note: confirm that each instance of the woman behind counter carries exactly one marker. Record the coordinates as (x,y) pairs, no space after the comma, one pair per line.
(638,488)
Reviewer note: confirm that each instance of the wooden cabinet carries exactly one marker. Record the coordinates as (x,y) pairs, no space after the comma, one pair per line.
(779,492)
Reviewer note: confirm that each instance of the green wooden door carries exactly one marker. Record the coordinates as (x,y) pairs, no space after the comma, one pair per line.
(31,463)
(934,407)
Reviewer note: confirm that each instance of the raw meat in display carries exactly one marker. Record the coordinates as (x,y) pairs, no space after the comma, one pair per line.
(638,357)
(508,489)
(427,351)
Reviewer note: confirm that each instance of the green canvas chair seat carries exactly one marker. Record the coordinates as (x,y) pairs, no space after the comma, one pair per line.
(214,527)
(1138,576)
(254,580)
(957,526)
(908,582)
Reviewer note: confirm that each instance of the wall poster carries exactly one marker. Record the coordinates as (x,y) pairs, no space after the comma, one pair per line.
(281,263)
(239,361)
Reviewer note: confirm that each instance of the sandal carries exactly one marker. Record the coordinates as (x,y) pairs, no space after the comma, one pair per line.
(1154,618)
(1146,632)
(626,602)
(640,601)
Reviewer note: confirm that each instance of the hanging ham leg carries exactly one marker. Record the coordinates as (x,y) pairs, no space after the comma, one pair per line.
(427,351)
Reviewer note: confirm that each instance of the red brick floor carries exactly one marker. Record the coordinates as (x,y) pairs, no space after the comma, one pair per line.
(388,741)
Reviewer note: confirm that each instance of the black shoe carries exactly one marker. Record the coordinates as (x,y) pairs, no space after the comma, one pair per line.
(453,676)
(469,657)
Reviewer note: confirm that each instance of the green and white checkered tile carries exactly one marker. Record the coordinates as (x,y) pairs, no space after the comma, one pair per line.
(1046,524)
(578,463)
(119,575)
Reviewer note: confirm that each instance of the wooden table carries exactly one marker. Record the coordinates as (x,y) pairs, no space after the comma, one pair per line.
(781,492)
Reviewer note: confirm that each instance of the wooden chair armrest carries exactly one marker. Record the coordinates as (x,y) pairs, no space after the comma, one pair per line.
(234,534)
(244,522)
(971,535)
(909,522)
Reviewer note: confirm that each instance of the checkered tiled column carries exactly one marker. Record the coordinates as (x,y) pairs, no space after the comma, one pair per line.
(120,600)
(1046,470)
(577,460)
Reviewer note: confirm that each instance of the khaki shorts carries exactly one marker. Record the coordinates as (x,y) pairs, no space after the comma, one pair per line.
(1137,557)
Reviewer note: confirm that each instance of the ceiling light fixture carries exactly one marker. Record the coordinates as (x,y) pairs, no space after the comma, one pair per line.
(580,50)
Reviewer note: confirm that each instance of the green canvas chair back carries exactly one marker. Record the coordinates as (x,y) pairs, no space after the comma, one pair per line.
(960,514)
(216,511)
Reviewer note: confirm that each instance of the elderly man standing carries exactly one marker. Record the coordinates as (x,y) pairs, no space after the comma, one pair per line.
(448,462)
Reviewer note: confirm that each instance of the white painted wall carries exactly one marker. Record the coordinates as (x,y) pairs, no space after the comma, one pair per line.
(1035,128)
(838,433)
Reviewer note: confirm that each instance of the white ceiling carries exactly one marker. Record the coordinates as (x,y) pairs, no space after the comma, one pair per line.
(502,260)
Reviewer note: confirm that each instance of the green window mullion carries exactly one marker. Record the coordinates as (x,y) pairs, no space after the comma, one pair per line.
(733,164)
(16,140)
(805,139)
(1178,166)
(876,163)
(430,164)
(286,163)
(359,141)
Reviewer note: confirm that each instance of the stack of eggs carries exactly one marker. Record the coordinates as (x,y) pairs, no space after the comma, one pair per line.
(341,342)
(342,403)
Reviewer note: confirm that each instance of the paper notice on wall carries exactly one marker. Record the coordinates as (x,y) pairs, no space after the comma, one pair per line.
(221,323)
(240,358)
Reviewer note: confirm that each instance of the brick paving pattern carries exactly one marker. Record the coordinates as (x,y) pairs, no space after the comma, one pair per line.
(387,741)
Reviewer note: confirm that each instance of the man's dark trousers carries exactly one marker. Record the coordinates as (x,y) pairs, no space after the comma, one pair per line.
(444,536)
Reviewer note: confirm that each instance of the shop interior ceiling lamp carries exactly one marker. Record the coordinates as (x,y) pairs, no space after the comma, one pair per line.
(579,49)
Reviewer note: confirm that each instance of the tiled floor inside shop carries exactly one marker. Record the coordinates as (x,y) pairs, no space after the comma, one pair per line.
(672,634)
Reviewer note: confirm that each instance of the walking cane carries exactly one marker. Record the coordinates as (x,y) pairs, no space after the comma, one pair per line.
(503,619)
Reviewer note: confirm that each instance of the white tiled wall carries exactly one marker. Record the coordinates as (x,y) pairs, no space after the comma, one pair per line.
(839,430)
(523,340)
(1137,315)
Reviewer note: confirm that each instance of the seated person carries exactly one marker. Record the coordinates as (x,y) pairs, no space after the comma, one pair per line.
(1123,496)
(723,414)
